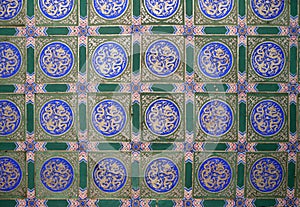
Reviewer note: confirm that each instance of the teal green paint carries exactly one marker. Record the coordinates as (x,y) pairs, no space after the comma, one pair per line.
(109,30)
(161,146)
(30,175)
(109,146)
(136,7)
(264,202)
(163,30)
(216,87)
(56,88)
(7,88)
(189,7)
(267,30)
(82,59)
(30,8)
(242,7)
(83,8)
(215,30)
(189,117)
(136,117)
(240,173)
(8,203)
(293,60)
(30,60)
(188,175)
(294,7)
(7,146)
(165,203)
(267,147)
(30,117)
(242,59)
(56,203)
(267,87)
(56,146)
(136,58)
(242,117)
(108,87)
(109,203)
(135,175)
(189,59)
(162,87)
(291,175)
(8,31)
(213,203)
(215,146)
(293,118)
(57,31)
(82,116)
(153,203)
(83,175)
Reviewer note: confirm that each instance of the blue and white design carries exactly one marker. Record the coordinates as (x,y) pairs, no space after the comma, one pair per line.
(214,174)
(56,117)
(57,174)
(215,60)
(56,60)
(110,175)
(56,10)
(9,9)
(110,10)
(266,9)
(10,117)
(162,58)
(266,174)
(10,60)
(161,175)
(162,117)
(109,117)
(267,118)
(216,118)
(268,59)
(109,60)
(216,10)
(162,9)
(10,174)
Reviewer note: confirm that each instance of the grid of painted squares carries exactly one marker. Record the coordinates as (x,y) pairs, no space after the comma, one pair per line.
(162,114)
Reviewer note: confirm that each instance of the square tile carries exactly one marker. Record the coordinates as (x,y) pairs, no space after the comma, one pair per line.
(56,175)
(109,117)
(56,117)
(110,59)
(13,117)
(266,174)
(110,12)
(13,56)
(55,13)
(215,59)
(264,13)
(214,175)
(162,12)
(13,13)
(268,117)
(163,117)
(268,59)
(163,58)
(162,175)
(56,59)
(109,174)
(215,13)
(216,116)
(13,175)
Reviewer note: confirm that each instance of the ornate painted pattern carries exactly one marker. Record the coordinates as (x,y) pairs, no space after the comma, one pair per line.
(108,9)
(10,117)
(162,58)
(162,9)
(215,10)
(162,117)
(109,117)
(109,60)
(57,174)
(110,175)
(215,118)
(161,175)
(56,10)
(10,60)
(268,59)
(266,174)
(215,60)
(56,60)
(10,174)
(267,118)
(214,174)
(266,9)
(9,9)
(56,117)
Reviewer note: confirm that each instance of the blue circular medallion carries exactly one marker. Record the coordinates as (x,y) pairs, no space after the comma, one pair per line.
(215,10)
(267,9)
(110,175)
(109,117)
(56,10)
(268,59)
(266,174)
(109,60)
(10,60)
(215,118)
(9,9)
(161,175)
(110,9)
(162,117)
(56,60)
(56,117)
(162,9)
(214,174)
(267,118)
(10,117)
(162,58)
(10,174)
(215,60)
(57,174)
